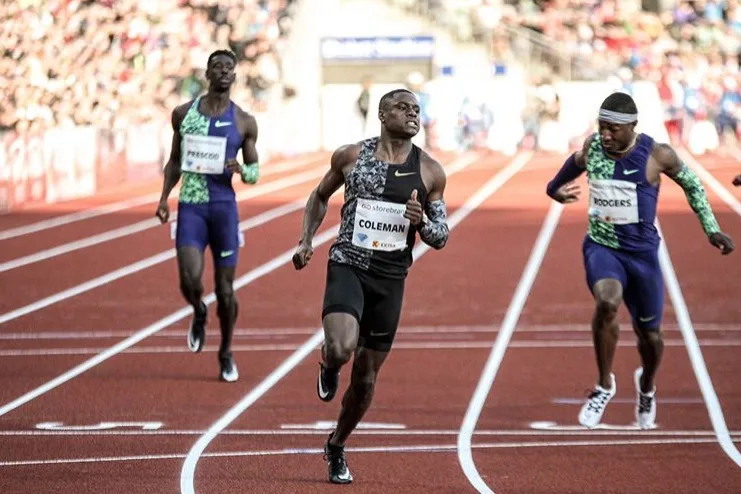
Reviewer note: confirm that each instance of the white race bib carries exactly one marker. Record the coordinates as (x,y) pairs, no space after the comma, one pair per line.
(204,154)
(613,201)
(380,225)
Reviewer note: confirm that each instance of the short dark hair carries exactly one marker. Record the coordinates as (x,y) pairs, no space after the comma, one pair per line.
(621,103)
(390,95)
(217,53)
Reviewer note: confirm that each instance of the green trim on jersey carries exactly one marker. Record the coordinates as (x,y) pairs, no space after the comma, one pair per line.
(600,167)
(194,189)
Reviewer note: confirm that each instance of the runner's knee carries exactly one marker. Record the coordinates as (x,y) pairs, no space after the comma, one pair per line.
(341,336)
(608,294)
(224,292)
(190,283)
(650,337)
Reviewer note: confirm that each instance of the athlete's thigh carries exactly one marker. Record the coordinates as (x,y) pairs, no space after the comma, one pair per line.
(602,263)
(644,296)
(343,291)
(384,298)
(223,225)
(192,229)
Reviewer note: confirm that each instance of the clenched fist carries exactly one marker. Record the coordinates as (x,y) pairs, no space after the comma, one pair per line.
(303,255)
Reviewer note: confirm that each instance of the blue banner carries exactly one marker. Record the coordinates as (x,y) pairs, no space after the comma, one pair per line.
(378,48)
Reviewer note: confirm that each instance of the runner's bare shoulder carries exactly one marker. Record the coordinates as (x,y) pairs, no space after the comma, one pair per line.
(178,114)
(344,157)
(433,173)
(247,121)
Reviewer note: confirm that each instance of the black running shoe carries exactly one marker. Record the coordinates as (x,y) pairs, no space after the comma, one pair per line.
(197,331)
(336,463)
(327,382)
(229,371)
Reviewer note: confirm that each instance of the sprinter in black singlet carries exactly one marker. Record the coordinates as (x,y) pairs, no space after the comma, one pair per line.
(393,191)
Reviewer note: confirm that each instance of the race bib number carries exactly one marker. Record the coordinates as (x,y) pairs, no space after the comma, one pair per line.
(380,225)
(204,154)
(613,201)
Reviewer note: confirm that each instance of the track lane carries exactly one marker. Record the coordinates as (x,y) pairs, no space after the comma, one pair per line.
(204,367)
(63,272)
(529,379)
(420,388)
(132,219)
(708,278)
(29,215)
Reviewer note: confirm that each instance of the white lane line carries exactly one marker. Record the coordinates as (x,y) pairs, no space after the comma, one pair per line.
(127,270)
(187,473)
(257,191)
(240,282)
(399,345)
(465,457)
(429,448)
(123,205)
(132,340)
(695,354)
(575,431)
(282,332)
(78,216)
(707,177)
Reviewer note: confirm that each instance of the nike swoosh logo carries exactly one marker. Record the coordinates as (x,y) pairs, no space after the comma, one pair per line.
(323,393)
(226,253)
(397,174)
(221,124)
(629,172)
(646,319)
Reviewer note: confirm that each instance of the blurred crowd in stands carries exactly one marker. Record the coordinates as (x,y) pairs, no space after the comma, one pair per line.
(691,51)
(112,63)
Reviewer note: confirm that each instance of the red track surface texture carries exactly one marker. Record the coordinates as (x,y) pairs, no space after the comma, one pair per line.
(127,420)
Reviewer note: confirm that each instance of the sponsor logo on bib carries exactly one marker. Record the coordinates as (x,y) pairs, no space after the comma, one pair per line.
(204,154)
(380,225)
(613,201)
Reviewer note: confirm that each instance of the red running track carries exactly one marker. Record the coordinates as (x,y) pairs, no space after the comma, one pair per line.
(524,440)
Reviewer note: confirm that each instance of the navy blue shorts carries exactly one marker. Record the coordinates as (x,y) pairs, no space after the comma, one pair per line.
(638,272)
(215,224)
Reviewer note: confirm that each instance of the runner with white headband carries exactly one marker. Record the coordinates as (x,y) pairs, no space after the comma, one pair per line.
(620,249)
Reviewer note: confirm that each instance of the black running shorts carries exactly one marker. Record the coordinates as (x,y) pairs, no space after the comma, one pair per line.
(373,300)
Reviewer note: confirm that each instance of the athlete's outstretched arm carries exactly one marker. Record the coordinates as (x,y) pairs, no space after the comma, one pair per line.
(674,168)
(434,229)
(250,169)
(573,167)
(316,206)
(172,170)
(683,175)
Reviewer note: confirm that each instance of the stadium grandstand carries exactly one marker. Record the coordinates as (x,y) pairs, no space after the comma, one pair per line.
(113,352)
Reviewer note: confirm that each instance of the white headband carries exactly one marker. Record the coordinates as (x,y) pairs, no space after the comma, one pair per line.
(617,117)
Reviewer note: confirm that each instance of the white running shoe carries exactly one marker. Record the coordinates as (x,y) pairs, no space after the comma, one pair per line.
(591,413)
(645,403)
(229,372)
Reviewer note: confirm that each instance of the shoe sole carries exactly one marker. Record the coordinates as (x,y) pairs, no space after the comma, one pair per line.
(228,380)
